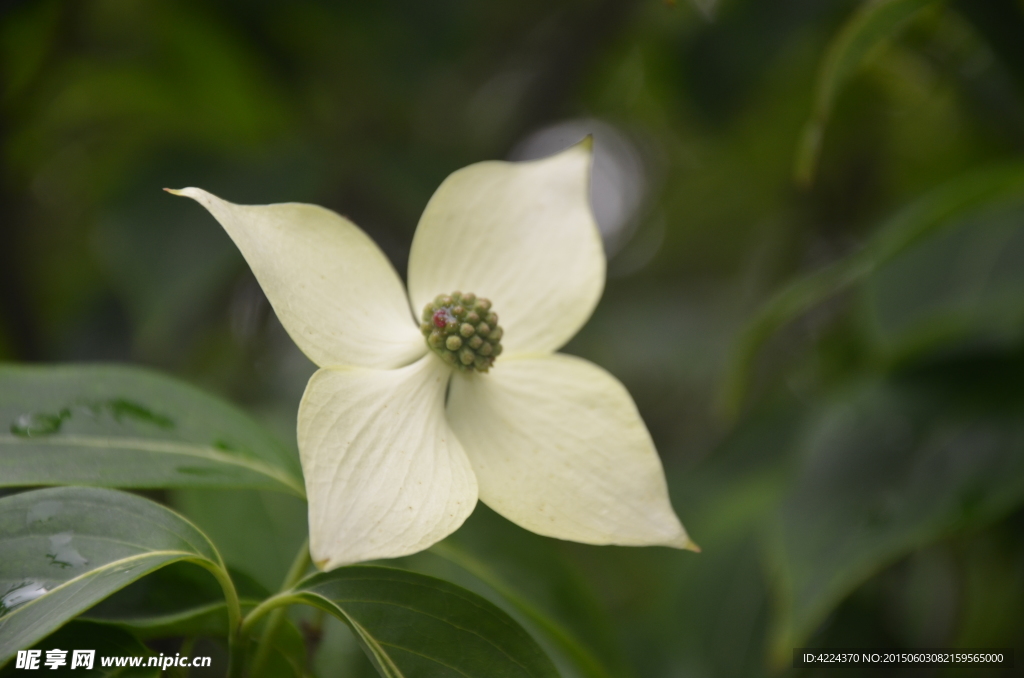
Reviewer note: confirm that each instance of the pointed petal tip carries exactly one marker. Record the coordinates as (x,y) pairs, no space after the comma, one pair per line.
(587,143)
(683,543)
(189,192)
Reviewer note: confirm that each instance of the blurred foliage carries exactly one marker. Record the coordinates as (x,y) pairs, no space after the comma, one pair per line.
(866,328)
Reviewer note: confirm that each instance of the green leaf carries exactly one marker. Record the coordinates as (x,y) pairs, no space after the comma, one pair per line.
(584,659)
(107,642)
(889,469)
(208,620)
(129,427)
(874,22)
(939,209)
(529,576)
(62,550)
(964,286)
(287,655)
(177,600)
(413,625)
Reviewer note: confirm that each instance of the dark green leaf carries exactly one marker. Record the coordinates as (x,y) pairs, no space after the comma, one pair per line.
(965,285)
(531,578)
(876,21)
(413,625)
(64,549)
(129,427)
(888,470)
(982,190)
(558,632)
(177,600)
(287,655)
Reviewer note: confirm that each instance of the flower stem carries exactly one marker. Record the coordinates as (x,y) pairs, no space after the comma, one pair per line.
(295,573)
(299,566)
(234,609)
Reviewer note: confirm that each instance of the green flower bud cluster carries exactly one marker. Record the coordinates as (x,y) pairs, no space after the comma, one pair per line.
(463,330)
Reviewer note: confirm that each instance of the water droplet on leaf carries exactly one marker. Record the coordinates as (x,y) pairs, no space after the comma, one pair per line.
(20,594)
(64,554)
(39,424)
(44,510)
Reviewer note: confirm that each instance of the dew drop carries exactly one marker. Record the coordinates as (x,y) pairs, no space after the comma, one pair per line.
(39,423)
(20,594)
(44,510)
(64,554)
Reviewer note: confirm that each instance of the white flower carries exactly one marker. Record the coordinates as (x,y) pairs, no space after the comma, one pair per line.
(396,444)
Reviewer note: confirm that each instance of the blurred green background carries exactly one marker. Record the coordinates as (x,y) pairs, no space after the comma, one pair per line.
(850,456)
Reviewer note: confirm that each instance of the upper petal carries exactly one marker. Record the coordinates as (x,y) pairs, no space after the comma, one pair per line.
(559,448)
(385,476)
(334,291)
(519,234)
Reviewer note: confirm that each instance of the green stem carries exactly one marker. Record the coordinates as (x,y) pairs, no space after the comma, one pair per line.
(271,604)
(314,634)
(299,566)
(186,648)
(234,608)
(274,605)
(295,573)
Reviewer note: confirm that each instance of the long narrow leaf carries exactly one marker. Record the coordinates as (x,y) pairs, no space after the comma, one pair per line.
(876,21)
(936,210)
(120,426)
(413,625)
(62,550)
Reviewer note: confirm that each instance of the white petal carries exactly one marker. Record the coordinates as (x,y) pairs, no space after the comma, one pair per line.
(331,286)
(521,235)
(559,448)
(385,475)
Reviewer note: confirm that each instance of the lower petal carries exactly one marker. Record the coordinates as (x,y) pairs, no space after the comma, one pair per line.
(385,476)
(559,448)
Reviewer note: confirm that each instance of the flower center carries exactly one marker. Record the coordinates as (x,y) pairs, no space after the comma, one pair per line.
(463,330)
